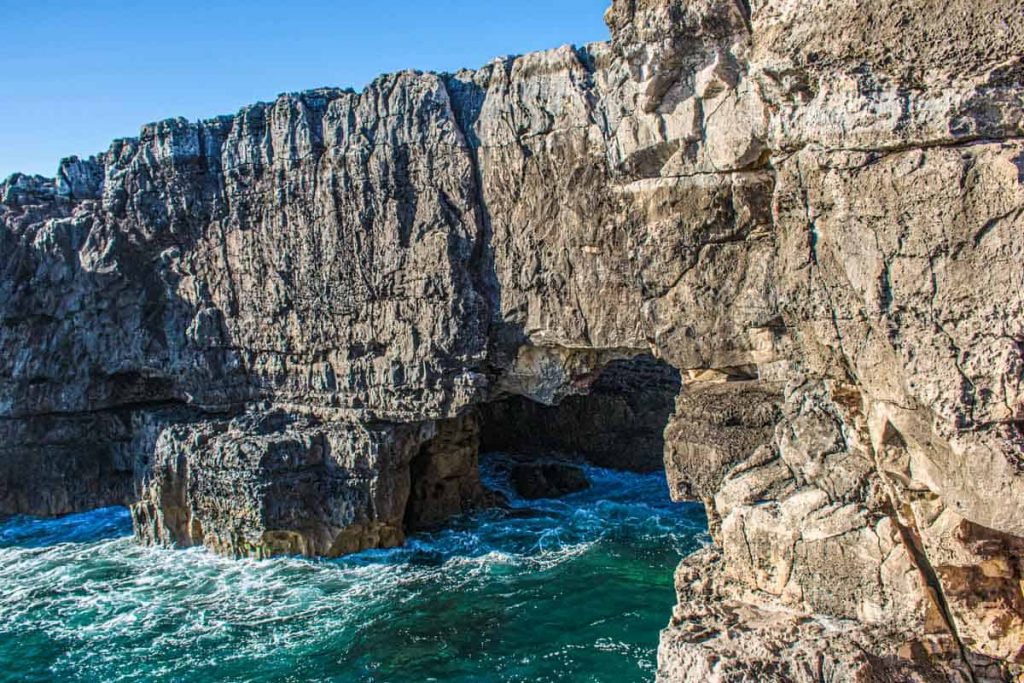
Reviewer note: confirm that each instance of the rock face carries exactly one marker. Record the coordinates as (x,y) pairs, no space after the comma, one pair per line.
(547,479)
(271,332)
(270,483)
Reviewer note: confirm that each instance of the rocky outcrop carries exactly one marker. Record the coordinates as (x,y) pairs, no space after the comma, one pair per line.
(270,483)
(272,330)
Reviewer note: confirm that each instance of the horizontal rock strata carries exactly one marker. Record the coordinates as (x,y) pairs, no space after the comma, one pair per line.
(271,332)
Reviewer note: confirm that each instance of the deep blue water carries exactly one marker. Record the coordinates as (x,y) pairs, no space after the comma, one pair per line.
(574,589)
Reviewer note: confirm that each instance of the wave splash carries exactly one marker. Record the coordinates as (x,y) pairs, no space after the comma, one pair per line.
(573,589)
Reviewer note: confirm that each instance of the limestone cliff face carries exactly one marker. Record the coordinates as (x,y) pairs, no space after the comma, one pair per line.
(272,332)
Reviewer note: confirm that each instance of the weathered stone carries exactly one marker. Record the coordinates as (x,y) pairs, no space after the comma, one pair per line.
(258,326)
(720,634)
(715,426)
(444,476)
(547,479)
(272,484)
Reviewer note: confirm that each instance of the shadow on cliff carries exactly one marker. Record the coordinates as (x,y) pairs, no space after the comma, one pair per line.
(90,350)
(504,337)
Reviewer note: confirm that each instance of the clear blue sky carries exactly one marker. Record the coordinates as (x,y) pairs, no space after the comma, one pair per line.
(75,74)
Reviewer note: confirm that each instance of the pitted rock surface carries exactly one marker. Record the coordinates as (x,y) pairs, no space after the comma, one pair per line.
(272,332)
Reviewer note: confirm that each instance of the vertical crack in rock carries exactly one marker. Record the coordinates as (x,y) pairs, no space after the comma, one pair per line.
(934,587)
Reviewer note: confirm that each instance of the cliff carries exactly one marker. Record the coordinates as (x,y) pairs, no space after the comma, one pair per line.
(273,332)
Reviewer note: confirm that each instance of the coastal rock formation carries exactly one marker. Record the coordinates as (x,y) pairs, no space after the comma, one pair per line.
(275,332)
(617,424)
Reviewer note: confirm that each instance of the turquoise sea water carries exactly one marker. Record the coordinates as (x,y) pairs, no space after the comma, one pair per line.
(574,589)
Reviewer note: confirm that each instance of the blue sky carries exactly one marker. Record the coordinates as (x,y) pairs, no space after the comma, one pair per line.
(75,74)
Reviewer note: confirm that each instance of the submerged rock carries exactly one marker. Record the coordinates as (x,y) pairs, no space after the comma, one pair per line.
(547,479)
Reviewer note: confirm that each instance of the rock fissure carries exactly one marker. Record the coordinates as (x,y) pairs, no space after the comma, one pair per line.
(934,586)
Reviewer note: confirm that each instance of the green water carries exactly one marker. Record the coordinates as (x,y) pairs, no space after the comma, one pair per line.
(574,589)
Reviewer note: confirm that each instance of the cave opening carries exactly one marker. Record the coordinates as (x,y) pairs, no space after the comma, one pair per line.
(519,447)
(583,529)
(617,424)
(465,590)
(588,536)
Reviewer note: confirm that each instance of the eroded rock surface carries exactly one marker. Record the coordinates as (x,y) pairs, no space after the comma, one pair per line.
(271,331)
(534,480)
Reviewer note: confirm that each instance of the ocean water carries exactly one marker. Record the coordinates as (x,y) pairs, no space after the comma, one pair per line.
(574,589)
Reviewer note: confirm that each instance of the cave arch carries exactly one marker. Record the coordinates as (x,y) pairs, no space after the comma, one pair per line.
(618,423)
